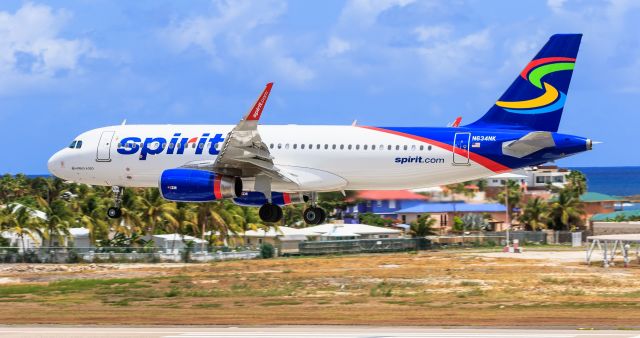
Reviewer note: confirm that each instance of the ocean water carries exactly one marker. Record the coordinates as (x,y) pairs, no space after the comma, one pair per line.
(618,181)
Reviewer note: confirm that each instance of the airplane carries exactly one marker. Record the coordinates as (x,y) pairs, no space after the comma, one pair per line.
(269,166)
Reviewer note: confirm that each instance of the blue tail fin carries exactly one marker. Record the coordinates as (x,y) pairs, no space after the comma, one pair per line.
(535,100)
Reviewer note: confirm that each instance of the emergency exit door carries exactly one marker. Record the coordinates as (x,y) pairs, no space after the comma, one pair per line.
(461,148)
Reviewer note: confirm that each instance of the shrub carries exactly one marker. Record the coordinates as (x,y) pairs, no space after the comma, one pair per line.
(267,250)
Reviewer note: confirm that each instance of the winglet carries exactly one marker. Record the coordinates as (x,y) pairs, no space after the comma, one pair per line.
(256,111)
(456,123)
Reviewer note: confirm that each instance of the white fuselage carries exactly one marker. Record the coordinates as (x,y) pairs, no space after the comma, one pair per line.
(325,157)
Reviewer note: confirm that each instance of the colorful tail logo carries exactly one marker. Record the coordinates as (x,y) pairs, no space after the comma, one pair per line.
(551,99)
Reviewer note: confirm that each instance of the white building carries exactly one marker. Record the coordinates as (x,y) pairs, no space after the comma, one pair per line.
(536,178)
(175,243)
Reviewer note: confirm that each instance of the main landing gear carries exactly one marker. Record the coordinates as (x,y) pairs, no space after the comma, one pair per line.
(314,215)
(270,212)
(114,211)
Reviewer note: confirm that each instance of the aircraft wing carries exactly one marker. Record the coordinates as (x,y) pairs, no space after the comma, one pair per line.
(528,144)
(243,153)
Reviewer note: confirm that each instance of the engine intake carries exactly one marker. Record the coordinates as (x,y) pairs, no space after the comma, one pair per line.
(193,185)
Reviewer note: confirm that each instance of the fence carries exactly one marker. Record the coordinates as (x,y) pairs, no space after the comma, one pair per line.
(522,236)
(363,245)
(117,255)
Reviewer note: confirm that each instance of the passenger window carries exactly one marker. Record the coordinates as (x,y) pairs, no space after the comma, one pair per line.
(295,146)
(405,147)
(279,145)
(357,147)
(364,147)
(429,148)
(79,145)
(373,147)
(397,147)
(72,145)
(413,147)
(381,147)
(271,146)
(302,146)
(286,146)
(349,147)
(317,146)
(389,147)
(310,146)
(201,145)
(333,147)
(421,147)
(326,146)
(341,146)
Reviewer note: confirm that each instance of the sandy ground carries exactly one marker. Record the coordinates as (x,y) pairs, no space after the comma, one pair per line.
(434,288)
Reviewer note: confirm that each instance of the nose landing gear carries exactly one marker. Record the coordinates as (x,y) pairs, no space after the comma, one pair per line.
(115,212)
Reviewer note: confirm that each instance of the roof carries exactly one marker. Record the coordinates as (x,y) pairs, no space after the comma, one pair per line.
(508,176)
(178,237)
(612,215)
(453,207)
(340,231)
(598,197)
(78,232)
(359,229)
(388,195)
(283,232)
(621,237)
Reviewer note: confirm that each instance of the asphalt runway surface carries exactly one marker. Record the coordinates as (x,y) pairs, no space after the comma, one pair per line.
(303,331)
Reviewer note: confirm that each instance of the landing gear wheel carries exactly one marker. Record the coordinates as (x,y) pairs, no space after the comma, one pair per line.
(314,215)
(270,212)
(114,212)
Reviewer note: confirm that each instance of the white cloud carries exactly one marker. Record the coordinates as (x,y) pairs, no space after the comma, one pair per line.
(426,34)
(229,18)
(336,46)
(30,45)
(231,35)
(285,66)
(453,58)
(365,12)
(556,5)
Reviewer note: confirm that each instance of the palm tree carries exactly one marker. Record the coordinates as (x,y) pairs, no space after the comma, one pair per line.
(224,217)
(576,183)
(515,196)
(423,226)
(58,219)
(536,214)
(566,211)
(155,210)
(92,213)
(186,221)
(19,220)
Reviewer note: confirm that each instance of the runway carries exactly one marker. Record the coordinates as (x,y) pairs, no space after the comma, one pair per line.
(301,331)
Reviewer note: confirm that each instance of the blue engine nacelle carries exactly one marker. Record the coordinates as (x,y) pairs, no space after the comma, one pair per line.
(193,185)
(257,199)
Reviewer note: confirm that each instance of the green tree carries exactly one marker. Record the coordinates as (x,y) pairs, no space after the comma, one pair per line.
(154,210)
(20,220)
(423,226)
(373,219)
(58,219)
(514,191)
(576,183)
(536,214)
(566,211)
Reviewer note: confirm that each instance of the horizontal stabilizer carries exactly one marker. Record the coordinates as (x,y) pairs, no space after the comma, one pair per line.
(528,144)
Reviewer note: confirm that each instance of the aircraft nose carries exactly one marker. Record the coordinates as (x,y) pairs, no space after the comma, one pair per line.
(56,163)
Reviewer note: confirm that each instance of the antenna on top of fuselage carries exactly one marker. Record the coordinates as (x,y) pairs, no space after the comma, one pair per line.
(124,122)
(354,123)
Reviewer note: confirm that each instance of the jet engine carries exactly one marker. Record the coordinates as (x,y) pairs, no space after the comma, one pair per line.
(193,185)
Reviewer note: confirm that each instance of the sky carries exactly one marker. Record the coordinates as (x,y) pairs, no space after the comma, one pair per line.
(71,66)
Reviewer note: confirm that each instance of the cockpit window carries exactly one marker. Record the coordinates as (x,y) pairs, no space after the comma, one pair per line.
(79,145)
(72,145)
